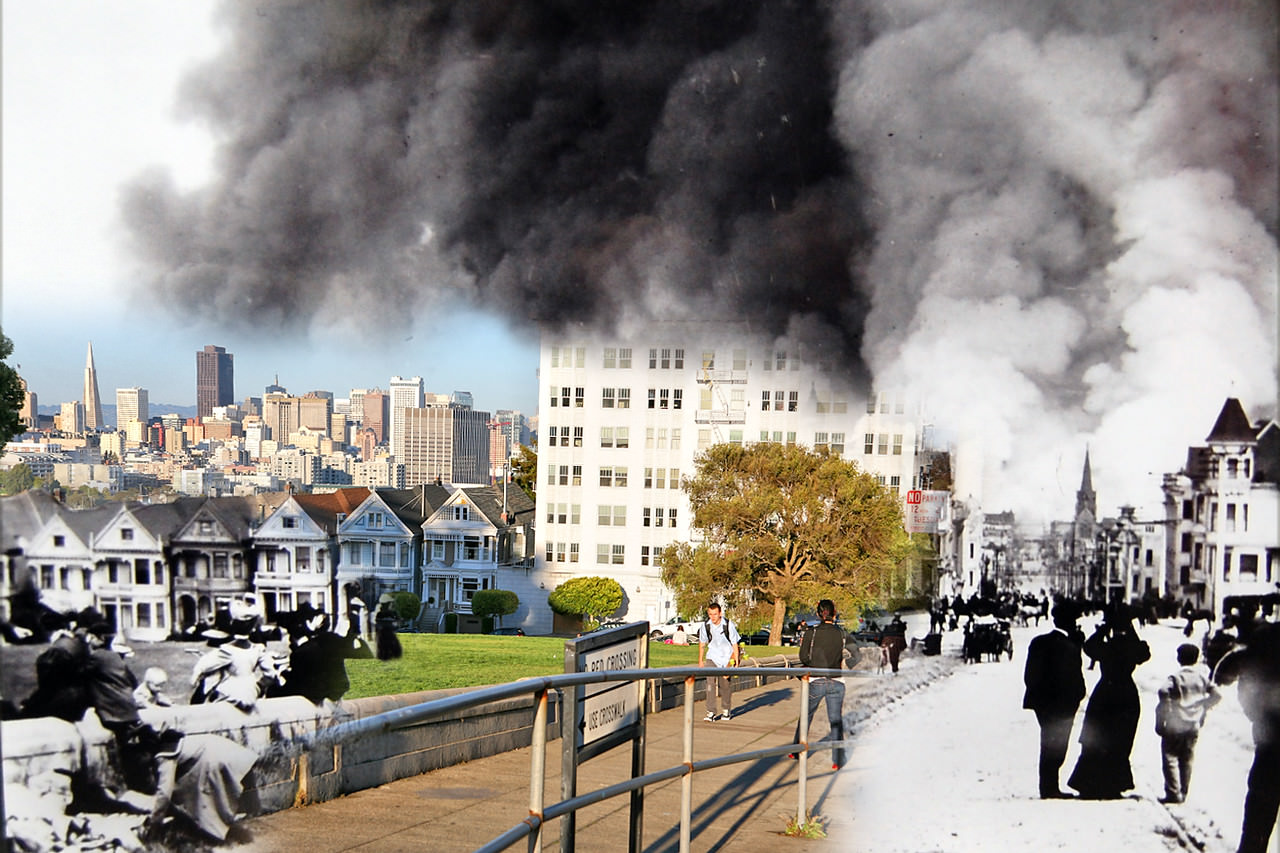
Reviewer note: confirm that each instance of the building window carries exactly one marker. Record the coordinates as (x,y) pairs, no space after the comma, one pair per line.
(620,477)
(764,401)
(619,553)
(59,541)
(1248,567)
(606,477)
(780,362)
(653,398)
(653,359)
(662,438)
(1230,526)
(791,438)
(602,554)
(64,578)
(606,436)
(665,362)
(577,475)
(624,398)
(607,398)
(820,440)
(623,438)
(664,398)
(704,439)
(735,436)
(793,401)
(675,478)
(677,397)
(868,443)
(647,517)
(624,357)
(302,557)
(437,549)
(579,397)
(739,359)
(564,475)
(220,563)
(678,360)
(386,554)
(882,445)
(575,513)
(471,547)
(126,533)
(144,614)
(871,402)
(837,443)
(671,518)
(375,520)
(644,555)
(610,358)
(555,396)
(897,444)
(573,552)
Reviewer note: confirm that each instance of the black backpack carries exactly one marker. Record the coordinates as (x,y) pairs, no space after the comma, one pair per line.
(705,630)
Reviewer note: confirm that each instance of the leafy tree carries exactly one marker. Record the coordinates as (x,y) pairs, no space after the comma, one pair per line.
(784,526)
(524,471)
(494,602)
(11,394)
(590,596)
(17,479)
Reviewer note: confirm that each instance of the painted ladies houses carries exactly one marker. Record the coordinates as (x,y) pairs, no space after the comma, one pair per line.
(296,550)
(22,516)
(210,552)
(131,576)
(60,556)
(476,539)
(381,541)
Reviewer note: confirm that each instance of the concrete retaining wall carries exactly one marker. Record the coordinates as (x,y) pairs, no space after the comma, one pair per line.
(34,749)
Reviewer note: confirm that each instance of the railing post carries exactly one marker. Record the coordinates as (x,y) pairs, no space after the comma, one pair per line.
(801,808)
(686,782)
(538,768)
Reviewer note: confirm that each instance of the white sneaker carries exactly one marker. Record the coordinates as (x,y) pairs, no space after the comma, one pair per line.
(710,717)
(726,715)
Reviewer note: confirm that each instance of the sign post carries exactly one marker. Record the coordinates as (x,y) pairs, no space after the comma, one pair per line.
(595,718)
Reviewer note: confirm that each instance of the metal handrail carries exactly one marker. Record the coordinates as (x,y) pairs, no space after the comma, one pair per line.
(540,686)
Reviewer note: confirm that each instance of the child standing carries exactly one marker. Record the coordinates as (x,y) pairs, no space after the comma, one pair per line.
(1185,698)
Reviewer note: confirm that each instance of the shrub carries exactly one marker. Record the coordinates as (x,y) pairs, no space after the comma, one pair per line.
(407,604)
(594,597)
(494,602)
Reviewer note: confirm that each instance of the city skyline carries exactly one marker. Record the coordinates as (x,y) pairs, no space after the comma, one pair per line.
(73,139)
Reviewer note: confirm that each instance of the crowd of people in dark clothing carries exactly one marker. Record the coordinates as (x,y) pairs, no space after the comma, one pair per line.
(189,785)
(1055,687)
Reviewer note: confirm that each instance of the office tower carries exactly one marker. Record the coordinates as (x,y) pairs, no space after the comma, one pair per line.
(131,405)
(71,420)
(405,394)
(29,414)
(445,443)
(375,411)
(280,414)
(463,399)
(92,401)
(355,405)
(314,412)
(215,380)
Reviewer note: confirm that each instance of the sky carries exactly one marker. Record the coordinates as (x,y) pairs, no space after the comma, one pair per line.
(90,101)
(1054,221)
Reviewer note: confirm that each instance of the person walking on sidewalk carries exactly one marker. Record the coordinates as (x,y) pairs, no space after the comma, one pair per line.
(1054,678)
(823,648)
(1185,698)
(718,644)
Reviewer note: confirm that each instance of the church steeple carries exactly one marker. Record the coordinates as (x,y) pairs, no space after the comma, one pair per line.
(1086,497)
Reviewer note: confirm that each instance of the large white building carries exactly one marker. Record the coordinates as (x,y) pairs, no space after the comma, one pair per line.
(442,443)
(622,421)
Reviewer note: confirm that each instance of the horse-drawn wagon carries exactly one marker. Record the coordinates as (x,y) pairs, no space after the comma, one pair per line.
(987,638)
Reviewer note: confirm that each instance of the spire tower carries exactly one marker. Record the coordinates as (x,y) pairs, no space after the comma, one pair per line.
(92,400)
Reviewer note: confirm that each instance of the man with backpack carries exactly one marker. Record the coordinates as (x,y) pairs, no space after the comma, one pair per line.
(718,645)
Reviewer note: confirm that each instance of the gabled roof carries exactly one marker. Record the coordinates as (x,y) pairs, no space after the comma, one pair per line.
(488,499)
(414,506)
(22,515)
(1232,424)
(164,521)
(324,509)
(86,522)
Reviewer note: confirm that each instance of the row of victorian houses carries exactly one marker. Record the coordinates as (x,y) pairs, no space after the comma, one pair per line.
(159,569)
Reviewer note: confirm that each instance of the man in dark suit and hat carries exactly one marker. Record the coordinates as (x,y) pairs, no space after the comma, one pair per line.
(1054,680)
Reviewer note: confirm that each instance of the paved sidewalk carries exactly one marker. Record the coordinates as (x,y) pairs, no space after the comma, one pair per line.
(741,807)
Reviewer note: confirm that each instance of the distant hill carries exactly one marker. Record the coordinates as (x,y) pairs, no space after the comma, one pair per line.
(109,410)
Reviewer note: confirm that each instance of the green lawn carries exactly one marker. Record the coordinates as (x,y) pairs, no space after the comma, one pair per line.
(430,662)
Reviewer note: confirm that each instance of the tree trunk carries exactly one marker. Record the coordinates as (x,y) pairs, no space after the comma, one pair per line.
(779,615)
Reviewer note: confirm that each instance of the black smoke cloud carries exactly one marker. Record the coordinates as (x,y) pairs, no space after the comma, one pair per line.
(1054,221)
(563,161)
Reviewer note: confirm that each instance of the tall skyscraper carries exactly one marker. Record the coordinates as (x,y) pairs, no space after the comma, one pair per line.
(215,380)
(92,401)
(405,394)
(375,413)
(131,405)
(71,420)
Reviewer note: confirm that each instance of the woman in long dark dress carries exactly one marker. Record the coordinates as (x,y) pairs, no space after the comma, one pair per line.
(386,622)
(1111,717)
